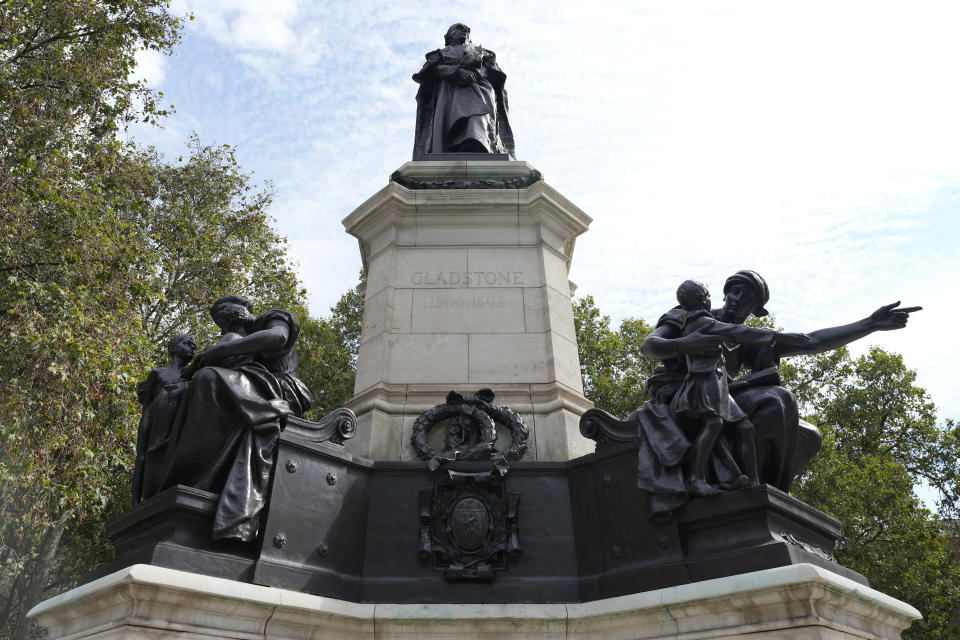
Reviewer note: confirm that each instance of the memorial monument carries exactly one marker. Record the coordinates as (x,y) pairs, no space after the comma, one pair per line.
(481,496)
(467,254)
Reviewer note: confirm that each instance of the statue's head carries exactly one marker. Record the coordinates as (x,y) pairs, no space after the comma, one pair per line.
(693,295)
(229,311)
(744,292)
(458,33)
(184,346)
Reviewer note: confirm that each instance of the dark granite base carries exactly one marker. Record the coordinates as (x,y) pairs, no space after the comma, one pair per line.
(349,528)
(757,529)
(172,530)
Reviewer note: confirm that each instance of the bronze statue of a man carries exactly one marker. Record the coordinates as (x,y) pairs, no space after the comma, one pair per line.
(461,103)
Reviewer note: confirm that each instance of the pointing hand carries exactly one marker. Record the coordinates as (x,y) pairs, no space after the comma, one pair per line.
(888,317)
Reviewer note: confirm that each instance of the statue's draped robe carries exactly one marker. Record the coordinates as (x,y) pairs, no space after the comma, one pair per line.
(785,444)
(224,433)
(449,113)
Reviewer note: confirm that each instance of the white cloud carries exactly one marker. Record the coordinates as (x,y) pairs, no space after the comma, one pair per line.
(151,66)
(270,37)
(244,24)
(816,142)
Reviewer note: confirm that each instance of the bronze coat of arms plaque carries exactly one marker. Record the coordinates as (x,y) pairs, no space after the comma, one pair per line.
(469,525)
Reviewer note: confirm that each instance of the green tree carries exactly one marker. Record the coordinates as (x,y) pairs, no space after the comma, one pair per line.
(613,369)
(107,250)
(328,349)
(186,233)
(204,232)
(78,338)
(72,344)
(881,440)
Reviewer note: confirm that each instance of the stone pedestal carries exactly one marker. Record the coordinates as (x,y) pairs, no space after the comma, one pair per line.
(467,287)
(799,602)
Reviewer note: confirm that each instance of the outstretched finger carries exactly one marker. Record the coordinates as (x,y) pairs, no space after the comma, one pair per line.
(909,309)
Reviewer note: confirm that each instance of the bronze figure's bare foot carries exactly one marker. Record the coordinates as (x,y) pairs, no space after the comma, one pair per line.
(700,489)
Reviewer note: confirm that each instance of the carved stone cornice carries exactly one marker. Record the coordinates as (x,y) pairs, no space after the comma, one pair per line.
(516,182)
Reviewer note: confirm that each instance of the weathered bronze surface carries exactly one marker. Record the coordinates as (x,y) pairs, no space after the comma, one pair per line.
(469,525)
(518,182)
(214,424)
(704,430)
(398,532)
(471,431)
(447,528)
(462,104)
(160,394)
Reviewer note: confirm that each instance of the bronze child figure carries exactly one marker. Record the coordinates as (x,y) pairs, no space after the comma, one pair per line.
(159,395)
(704,396)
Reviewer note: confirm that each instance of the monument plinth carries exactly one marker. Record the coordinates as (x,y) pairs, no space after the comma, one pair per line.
(799,602)
(467,287)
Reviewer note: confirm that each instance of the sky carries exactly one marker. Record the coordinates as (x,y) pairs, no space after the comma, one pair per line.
(817,143)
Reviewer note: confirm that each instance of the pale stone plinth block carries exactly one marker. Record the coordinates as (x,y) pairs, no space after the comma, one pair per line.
(466,289)
(797,602)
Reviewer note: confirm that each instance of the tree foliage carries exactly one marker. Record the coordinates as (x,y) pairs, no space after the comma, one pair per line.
(613,369)
(72,344)
(881,440)
(328,349)
(66,79)
(205,232)
(107,251)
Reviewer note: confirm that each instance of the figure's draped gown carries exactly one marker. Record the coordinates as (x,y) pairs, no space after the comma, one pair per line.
(224,433)
(454,117)
(785,444)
